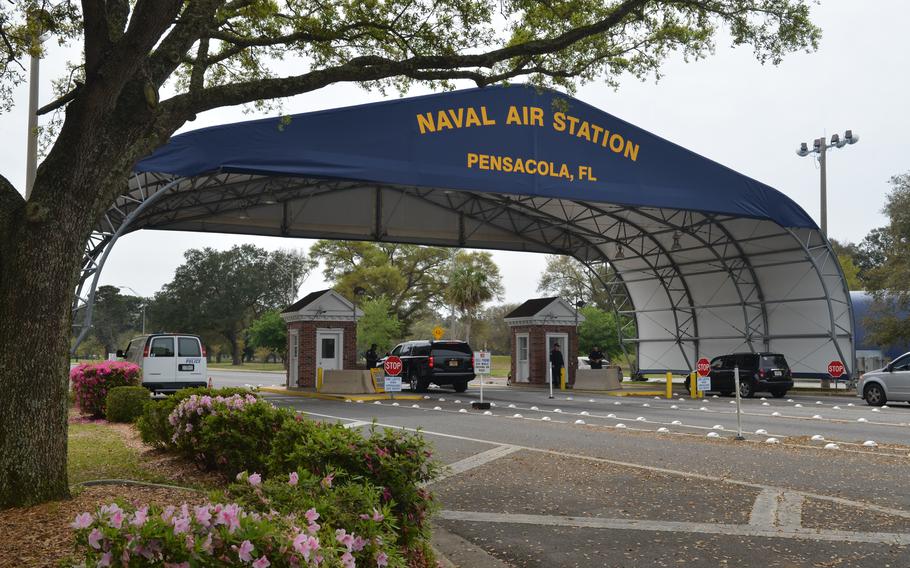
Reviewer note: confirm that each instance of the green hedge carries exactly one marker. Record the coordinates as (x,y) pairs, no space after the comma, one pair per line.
(126,404)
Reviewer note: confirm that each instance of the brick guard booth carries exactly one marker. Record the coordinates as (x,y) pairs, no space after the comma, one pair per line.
(322,332)
(534,326)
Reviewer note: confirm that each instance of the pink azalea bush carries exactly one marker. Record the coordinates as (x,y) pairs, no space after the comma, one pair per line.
(236,534)
(92,381)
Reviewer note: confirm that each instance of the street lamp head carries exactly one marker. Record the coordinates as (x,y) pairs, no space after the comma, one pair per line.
(850,137)
(803,150)
(817,144)
(835,141)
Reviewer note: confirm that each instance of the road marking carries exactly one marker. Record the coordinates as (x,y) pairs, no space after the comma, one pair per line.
(901,539)
(764,510)
(790,510)
(356,424)
(477,460)
(684,474)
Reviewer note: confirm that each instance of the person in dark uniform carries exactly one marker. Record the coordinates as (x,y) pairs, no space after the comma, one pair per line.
(596,358)
(371,356)
(556,364)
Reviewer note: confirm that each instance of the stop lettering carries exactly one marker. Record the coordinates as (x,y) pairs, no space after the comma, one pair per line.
(836,369)
(392,366)
(703,367)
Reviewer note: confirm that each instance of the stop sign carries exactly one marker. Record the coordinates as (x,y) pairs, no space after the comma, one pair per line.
(703,367)
(392,366)
(836,369)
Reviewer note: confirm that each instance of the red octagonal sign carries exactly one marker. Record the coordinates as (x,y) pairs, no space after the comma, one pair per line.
(836,369)
(703,367)
(392,366)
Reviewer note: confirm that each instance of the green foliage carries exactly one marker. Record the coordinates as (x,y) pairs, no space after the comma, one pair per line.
(269,332)
(92,381)
(888,280)
(851,272)
(154,427)
(572,280)
(378,325)
(492,331)
(126,404)
(474,280)
(410,277)
(221,292)
(114,315)
(397,463)
(599,328)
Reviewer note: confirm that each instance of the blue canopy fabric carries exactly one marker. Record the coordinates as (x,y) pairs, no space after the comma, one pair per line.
(516,140)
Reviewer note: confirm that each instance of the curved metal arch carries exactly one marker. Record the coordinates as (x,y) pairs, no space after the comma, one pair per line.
(108,246)
(821,279)
(729,268)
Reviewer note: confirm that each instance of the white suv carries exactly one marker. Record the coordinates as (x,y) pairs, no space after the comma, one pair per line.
(891,383)
(169,361)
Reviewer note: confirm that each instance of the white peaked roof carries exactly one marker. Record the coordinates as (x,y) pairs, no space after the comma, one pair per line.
(544,311)
(324,305)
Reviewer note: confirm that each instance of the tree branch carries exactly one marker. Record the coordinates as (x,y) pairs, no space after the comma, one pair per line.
(97,39)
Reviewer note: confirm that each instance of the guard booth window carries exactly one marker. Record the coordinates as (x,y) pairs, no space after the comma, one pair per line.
(328,348)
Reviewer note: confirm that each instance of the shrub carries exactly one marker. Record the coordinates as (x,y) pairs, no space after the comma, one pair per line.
(153,425)
(92,382)
(216,534)
(229,434)
(397,463)
(126,404)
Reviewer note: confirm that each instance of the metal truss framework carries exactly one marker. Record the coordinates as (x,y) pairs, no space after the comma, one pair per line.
(684,284)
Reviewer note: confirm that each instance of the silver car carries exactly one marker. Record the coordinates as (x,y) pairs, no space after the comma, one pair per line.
(892,383)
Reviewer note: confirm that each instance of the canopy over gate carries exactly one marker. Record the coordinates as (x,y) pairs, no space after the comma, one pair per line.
(703,260)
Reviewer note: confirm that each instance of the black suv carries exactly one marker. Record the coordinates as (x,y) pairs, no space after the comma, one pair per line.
(758,372)
(445,363)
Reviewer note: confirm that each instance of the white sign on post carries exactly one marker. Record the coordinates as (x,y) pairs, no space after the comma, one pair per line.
(392,384)
(703,383)
(483,363)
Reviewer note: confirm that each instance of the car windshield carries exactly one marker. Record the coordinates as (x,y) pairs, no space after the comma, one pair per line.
(773,362)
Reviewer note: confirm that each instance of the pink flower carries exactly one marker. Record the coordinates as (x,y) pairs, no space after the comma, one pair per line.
(95,538)
(116,520)
(359,543)
(181,525)
(293,478)
(304,544)
(82,521)
(327,480)
(311,515)
(139,517)
(377,516)
(207,544)
(203,515)
(345,539)
(105,560)
(255,479)
(347,559)
(382,559)
(243,553)
(262,562)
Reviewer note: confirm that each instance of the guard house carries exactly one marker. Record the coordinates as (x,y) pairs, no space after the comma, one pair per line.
(322,333)
(535,326)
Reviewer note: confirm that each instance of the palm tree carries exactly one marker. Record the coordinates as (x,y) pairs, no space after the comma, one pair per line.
(474,280)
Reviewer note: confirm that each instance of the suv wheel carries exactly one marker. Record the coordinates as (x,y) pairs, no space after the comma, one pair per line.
(874,395)
(746,390)
(460,386)
(779,393)
(420,384)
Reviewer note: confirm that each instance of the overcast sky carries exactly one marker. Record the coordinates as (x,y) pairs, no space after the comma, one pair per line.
(728,108)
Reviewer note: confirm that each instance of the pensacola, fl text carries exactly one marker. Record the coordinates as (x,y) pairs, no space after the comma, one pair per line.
(528,166)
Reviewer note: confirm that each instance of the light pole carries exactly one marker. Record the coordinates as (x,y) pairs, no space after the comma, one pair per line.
(31,156)
(820,146)
(143,304)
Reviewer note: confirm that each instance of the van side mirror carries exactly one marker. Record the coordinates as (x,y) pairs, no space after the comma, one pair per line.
(120,354)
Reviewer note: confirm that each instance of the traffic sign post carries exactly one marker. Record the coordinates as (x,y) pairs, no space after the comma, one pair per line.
(739,423)
(392,382)
(836,369)
(483,366)
(703,382)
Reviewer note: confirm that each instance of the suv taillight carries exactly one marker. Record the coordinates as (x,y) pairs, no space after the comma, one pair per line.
(430,361)
(472,360)
(761,373)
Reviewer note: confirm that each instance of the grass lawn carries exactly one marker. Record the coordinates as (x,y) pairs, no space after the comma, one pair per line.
(248,366)
(502,365)
(98,451)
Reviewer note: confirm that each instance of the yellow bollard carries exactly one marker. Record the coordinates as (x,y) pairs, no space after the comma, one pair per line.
(669,384)
(562,378)
(693,385)
(318,379)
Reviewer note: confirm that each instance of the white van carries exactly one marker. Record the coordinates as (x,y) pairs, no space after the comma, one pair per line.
(169,361)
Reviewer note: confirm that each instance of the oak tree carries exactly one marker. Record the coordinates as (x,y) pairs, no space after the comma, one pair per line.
(149,66)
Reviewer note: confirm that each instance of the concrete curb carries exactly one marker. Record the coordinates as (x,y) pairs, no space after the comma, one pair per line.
(452,551)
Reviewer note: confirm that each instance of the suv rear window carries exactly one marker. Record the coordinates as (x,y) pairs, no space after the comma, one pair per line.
(773,362)
(451,349)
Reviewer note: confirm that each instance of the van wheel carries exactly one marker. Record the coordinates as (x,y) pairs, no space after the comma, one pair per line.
(874,395)
(460,386)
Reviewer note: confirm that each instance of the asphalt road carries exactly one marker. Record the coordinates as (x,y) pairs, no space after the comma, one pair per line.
(544,490)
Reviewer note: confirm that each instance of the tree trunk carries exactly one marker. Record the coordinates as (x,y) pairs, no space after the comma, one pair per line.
(40,255)
(235,347)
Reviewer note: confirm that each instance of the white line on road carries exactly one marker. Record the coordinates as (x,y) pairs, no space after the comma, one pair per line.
(477,460)
(901,539)
(356,424)
(764,510)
